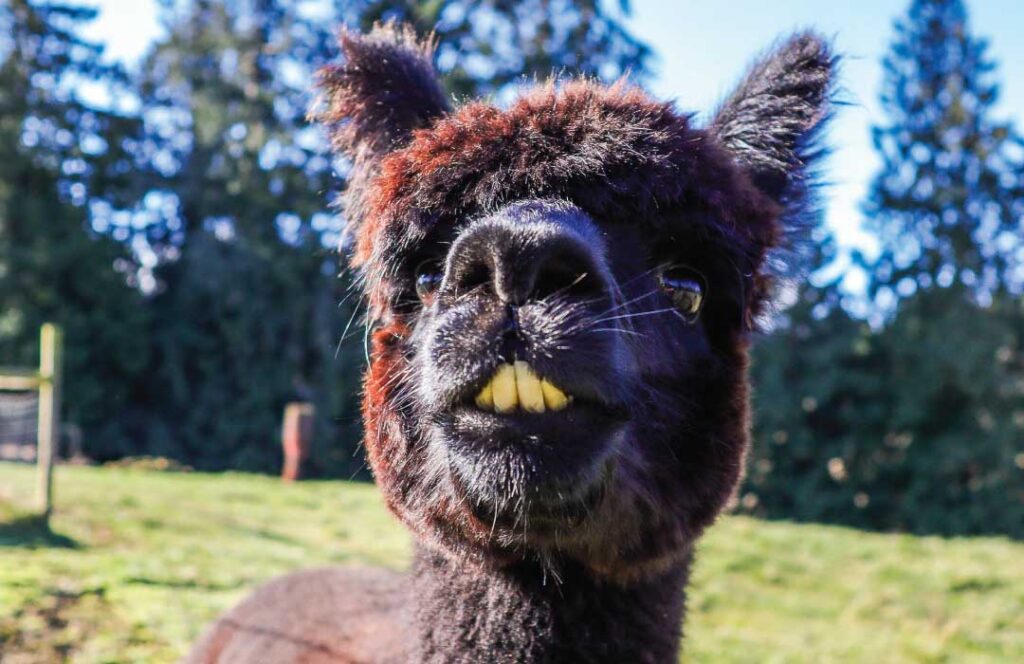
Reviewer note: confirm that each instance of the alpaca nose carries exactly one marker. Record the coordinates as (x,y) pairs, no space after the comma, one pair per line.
(528,253)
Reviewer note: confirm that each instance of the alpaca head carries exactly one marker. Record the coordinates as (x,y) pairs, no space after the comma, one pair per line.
(560,294)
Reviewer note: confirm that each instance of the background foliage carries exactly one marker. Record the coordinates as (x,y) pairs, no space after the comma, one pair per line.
(917,424)
(179,229)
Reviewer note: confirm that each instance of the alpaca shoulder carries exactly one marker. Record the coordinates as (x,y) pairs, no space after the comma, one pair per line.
(329,614)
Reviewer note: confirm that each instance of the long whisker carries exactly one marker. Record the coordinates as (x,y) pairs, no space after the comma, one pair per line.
(616,330)
(628,302)
(348,325)
(638,314)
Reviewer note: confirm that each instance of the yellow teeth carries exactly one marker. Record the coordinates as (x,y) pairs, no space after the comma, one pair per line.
(485,400)
(515,386)
(531,399)
(503,386)
(554,398)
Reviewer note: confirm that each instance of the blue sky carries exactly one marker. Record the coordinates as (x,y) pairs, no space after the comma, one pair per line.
(703,47)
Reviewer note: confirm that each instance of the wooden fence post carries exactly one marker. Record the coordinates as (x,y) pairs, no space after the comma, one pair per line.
(50,352)
(296,438)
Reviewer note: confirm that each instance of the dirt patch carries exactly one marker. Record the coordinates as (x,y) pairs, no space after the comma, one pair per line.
(49,629)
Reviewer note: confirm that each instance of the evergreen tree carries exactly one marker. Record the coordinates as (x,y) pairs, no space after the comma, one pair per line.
(57,156)
(235,255)
(949,209)
(947,205)
(914,426)
(949,460)
(820,400)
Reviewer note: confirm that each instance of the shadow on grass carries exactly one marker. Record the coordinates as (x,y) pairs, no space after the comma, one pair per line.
(33,532)
(184,584)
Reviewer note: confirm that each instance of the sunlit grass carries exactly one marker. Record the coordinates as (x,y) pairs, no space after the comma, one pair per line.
(137,562)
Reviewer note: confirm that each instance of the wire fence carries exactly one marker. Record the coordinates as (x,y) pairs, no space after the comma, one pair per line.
(19,423)
(30,415)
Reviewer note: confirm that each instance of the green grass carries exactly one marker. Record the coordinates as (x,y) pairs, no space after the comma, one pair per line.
(137,562)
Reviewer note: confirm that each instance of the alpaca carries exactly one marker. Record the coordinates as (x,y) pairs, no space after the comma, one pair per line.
(560,299)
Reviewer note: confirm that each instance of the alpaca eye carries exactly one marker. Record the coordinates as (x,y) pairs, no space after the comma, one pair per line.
(686,290)
(428,279)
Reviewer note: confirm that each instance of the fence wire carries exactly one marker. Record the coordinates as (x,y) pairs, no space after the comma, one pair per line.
(19,419)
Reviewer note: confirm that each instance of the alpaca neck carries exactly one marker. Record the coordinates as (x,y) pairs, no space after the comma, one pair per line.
(466,614)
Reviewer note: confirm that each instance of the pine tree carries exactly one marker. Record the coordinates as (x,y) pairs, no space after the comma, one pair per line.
(817,380)
(949,208)
(59,156)
(913,425)
(947,205)
(236,256)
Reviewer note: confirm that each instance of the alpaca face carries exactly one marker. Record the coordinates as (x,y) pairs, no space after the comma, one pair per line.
(560,295)
(572,381)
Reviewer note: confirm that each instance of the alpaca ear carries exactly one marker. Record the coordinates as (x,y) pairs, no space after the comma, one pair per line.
(384,88)
(772,121)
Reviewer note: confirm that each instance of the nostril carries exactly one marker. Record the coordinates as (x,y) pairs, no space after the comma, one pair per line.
(471,277)
(566,275)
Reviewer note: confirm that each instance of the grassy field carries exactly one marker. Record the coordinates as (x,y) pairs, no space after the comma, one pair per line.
(137,562)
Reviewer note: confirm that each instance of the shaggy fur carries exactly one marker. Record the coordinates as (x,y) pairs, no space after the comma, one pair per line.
(551,231)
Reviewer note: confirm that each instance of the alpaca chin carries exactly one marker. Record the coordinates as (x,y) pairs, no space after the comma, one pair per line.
(561,295)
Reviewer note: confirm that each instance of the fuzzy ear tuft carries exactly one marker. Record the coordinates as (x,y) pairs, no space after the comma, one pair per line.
(384,88)
(772,123)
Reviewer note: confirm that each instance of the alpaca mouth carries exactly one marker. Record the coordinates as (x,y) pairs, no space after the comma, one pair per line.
(543,470)
(526,441)
(520,405)
(517,386)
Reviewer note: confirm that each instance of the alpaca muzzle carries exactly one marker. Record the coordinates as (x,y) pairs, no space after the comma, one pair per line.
(527,252)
